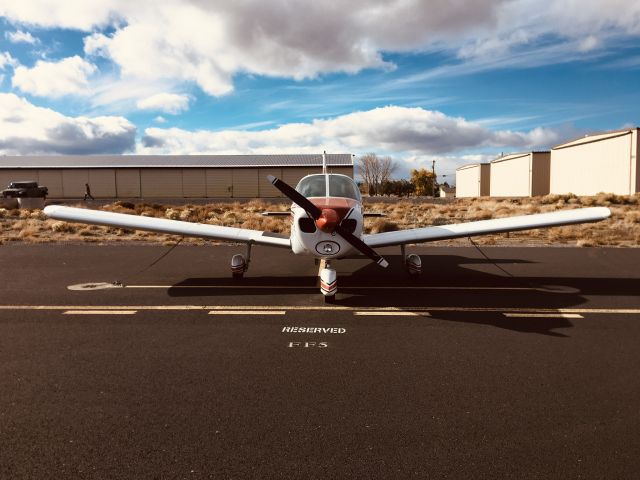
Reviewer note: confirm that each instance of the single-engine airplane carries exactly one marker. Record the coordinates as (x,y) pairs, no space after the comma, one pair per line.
(327,222)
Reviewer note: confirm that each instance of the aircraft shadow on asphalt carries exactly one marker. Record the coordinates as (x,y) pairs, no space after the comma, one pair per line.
(446,281)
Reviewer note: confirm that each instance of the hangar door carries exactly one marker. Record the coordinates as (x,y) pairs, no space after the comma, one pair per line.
(267,190)
(102,182)
(194,183)
(127,182)
(52,179)
(219,182)
(161,182)
(245,183)
(73,182)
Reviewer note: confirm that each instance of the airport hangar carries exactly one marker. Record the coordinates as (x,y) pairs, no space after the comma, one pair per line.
(606,162)
(174,176)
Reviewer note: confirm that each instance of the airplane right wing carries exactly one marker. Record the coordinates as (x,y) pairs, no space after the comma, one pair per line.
(163,225)
(484,227)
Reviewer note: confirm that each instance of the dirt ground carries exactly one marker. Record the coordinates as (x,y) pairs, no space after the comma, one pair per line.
(621,229)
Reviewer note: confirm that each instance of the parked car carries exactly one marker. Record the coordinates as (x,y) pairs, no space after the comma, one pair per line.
(25,189)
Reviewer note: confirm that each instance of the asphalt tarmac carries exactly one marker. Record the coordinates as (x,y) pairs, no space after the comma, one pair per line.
(522,366)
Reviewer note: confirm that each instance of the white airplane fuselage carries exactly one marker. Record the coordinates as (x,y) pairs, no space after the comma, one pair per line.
(307,238)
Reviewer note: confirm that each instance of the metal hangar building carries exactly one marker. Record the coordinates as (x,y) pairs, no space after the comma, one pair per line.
(605,162)
(187,176)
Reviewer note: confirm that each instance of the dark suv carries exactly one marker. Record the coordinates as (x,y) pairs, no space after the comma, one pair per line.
(26,189)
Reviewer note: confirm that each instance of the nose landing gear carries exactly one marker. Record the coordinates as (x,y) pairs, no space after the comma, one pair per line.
(328,282)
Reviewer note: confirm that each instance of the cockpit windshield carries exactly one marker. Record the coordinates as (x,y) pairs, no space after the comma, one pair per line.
(342,186)
(339,186)
(313,186)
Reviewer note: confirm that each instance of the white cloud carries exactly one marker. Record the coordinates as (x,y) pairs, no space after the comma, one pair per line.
(54,79)
(400,130)
(207,42)
(20,36)
(6,60)
(26,129)
(160,119)
(171,103)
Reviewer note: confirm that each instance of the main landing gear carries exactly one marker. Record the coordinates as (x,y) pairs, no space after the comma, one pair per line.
(240,263)
(412,263)
(328,282)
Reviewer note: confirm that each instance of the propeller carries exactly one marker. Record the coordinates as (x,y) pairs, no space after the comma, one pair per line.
(327,220)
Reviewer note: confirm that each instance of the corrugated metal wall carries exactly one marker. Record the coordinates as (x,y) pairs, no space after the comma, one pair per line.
(102,182)
(161,182)
(164,182)
(219,182)
(127,182)
(73,182)
(52,179)
(194,182)
(511,177)
(591,167)
(266,189)
(17,175)
(245,183)
(468,182)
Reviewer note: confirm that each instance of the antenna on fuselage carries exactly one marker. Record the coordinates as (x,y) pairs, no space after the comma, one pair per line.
(324,162)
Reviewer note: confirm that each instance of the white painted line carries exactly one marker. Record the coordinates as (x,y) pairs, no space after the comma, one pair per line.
(99,312)
(342,287)
(247,312)
(311,308)
(392,314)
(543,315)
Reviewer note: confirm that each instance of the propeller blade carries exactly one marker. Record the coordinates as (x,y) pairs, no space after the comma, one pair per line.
(296,197)
(361,246)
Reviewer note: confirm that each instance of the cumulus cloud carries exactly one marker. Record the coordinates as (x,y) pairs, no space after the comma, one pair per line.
(20,36)
(26,129)
(54,79)
(171,103)
(6,60)
(407,131)
(210,41)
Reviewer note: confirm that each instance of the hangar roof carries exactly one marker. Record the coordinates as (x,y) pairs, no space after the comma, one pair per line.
(595,138)
(173,161)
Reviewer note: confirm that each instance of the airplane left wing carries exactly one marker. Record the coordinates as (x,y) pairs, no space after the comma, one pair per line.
(163,225)
(484,227)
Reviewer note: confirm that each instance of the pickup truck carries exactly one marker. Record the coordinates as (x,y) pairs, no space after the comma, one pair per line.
(25,189)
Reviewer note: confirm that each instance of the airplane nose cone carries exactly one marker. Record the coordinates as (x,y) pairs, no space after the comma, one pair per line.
(327,221)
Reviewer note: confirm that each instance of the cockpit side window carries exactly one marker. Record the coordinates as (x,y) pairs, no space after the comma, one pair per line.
(313,186)
(342,186)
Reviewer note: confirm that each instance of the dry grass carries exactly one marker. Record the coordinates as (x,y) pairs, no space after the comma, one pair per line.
(622,229)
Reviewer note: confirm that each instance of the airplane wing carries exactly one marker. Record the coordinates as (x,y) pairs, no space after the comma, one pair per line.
(484,227)
(163,225)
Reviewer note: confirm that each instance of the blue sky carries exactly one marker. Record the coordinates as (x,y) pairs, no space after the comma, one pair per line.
(414,79)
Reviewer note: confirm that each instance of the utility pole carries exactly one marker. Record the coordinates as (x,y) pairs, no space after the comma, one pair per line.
(433,170)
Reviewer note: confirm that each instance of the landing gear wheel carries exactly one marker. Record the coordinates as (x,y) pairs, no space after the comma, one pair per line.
(237,276)
(329,299)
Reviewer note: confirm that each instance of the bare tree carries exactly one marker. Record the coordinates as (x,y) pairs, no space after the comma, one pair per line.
(375,171)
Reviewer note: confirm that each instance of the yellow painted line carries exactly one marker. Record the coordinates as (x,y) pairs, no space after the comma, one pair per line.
(543,315)
(247,312)
(99,312)
(392,314)
(311,308)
